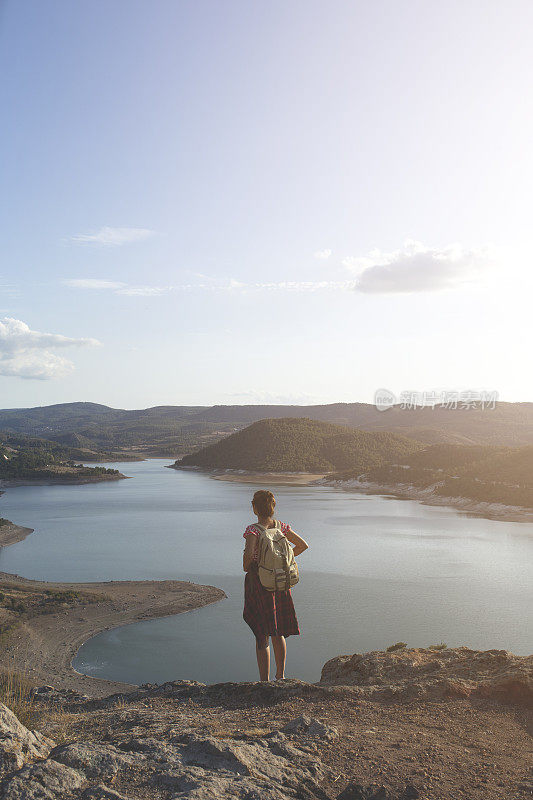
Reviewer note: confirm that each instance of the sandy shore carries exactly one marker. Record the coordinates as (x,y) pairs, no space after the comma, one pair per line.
(43,646)
(494,511)
(269,478)
(11,533)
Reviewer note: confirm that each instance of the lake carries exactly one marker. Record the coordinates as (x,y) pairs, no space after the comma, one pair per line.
(379,570)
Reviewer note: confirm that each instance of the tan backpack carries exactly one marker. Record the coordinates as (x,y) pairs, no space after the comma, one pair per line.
(278,570)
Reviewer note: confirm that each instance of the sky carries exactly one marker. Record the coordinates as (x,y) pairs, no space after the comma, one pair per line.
(298,201)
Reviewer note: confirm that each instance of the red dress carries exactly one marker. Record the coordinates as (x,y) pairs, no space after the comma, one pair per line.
(267,613)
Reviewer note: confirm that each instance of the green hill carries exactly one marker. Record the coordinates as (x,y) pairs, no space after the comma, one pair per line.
(489,474)
(300,445)
(28,458)
(513,466)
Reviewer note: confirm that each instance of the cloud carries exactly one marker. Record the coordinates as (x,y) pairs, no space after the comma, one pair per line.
(412,268)
(145,291)
(117,287)
(25,353)
(94,283)
(417,268)
(211,285)
(114,236)
(299,286)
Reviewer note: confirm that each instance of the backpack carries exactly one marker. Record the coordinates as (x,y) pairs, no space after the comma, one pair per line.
(278,570)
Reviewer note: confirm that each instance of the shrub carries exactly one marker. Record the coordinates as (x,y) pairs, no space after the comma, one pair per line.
(397,646)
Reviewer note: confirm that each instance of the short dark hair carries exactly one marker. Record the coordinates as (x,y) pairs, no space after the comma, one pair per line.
(264,503)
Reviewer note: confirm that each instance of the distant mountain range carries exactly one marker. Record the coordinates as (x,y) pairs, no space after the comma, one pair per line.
(301,445)
(485,455)
(177,430)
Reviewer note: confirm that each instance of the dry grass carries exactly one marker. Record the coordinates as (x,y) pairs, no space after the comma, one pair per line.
(57,725)
(16,694)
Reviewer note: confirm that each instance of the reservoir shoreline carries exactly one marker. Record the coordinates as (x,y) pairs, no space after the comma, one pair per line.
(43,646)
(11,533)
(12,484)
(478,508)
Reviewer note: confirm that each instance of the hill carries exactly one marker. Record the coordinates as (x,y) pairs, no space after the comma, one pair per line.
(300,445)
(28,459)
(177,430)
(483,473)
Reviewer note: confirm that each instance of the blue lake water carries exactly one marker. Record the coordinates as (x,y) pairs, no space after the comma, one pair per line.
(379,570)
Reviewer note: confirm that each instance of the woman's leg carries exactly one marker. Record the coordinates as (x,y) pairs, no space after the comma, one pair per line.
(262,652)
(280,654)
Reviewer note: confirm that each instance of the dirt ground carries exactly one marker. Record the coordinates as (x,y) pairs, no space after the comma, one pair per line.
(449,750)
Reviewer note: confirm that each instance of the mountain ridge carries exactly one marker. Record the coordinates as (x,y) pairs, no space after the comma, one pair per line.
(177,430)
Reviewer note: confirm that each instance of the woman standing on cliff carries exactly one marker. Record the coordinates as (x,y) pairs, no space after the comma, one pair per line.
(268,613)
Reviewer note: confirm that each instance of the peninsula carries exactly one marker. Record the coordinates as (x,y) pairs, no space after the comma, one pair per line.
(30,461)
(44,623)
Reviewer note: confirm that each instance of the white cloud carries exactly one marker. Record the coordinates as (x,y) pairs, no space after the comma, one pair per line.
(412,268)
(117,287)
(417,268)
(301,286)
(323,254)
(25,353)
(212,285)
(94,283)
(114,236)
(144,291)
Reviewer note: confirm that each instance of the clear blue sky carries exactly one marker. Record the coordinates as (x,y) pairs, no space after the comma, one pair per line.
(299,201)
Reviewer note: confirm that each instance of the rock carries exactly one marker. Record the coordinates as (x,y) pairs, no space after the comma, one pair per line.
(189,765)
(202,767)
(60,697)
(420,673)
(18,745)
(46,780)
(310,727)
(94,760)
(221,787)
(271,759)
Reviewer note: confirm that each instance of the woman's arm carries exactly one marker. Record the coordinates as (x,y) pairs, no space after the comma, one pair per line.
(249,552)
(299,544)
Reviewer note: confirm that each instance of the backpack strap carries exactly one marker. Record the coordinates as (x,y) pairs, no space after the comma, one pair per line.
(261,528)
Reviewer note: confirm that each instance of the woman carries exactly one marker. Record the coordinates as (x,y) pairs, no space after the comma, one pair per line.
(268,613)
